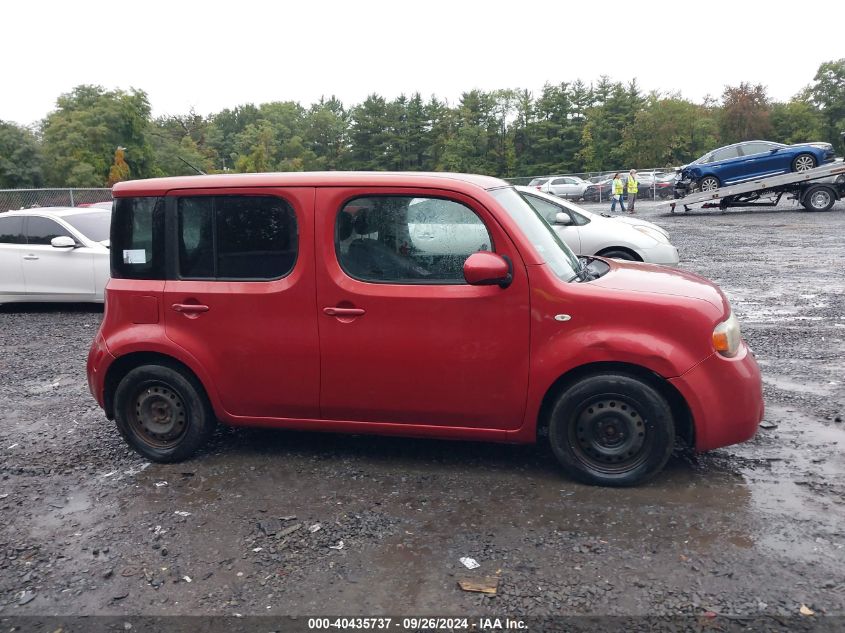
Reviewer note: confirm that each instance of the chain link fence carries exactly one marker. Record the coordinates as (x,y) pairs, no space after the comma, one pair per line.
(13,199)
(654,183)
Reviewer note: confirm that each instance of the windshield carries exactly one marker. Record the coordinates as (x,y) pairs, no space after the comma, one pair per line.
(94,226)
(549,246)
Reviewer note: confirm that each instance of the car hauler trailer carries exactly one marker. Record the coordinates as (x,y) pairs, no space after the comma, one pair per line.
(817,189)
(767,192)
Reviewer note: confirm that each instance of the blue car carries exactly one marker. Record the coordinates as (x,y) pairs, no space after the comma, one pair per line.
(747,161)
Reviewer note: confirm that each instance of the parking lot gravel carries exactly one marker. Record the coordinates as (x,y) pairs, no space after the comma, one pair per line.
(273,522)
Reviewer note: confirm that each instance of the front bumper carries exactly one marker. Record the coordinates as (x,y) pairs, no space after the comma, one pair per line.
(665,254)
(682,187)
(725,397)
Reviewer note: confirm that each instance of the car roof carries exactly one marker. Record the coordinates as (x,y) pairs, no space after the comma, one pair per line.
(58,212)
(160,186)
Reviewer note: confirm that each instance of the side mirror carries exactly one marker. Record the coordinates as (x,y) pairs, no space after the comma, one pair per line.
(773,150)
(563,218)
(63,241)
(488,269)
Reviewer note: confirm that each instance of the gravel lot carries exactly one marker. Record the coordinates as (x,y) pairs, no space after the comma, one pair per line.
(756,530)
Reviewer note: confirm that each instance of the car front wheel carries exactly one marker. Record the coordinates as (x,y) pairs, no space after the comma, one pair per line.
(708,183)
(611,429)
(804,162)
(163,413)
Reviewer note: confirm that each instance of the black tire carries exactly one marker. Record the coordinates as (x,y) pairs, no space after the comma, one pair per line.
(611,429)
(618,253)
(708,183)
(163,413)
(819,198)
(803,162)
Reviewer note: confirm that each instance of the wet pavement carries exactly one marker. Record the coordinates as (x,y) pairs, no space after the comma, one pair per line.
(273,522)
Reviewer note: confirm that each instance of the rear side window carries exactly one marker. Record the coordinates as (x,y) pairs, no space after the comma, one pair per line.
(400,239)
(137,238)
(11,230)
(236,237)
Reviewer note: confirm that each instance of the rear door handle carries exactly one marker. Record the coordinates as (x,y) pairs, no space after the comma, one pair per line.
(30,257)
(189,308)
(343,311)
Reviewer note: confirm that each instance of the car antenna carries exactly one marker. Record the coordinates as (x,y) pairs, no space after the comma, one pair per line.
(199,171)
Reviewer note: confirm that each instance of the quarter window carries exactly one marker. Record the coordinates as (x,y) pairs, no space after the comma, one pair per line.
(137,238)
(236,237)
(403,239)
(11,230)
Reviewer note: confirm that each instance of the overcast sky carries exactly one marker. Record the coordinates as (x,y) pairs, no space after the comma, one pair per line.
(211,55)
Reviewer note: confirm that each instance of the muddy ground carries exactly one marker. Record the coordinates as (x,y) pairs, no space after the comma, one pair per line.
(89,527)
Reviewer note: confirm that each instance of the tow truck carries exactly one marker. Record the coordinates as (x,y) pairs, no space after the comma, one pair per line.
(816,189)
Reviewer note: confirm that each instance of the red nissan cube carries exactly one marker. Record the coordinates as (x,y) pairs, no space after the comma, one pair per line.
(425,305)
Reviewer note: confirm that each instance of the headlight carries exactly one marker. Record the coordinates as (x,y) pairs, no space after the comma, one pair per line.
(657,236)
(726,337)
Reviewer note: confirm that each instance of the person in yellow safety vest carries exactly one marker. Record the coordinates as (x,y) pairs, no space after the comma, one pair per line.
(633,187)
(616,193)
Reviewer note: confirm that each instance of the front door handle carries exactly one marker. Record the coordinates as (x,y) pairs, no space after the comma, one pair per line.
(30,257)
(341,312)
(189,308)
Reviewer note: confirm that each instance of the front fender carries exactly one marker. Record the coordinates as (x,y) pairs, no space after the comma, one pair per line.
(586,324)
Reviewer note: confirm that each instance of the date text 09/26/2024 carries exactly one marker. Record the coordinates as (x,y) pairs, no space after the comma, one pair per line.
(417,624)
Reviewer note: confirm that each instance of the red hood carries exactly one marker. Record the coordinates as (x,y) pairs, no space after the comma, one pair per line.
(649,278)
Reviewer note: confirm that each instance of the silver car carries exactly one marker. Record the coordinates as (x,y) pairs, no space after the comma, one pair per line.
(589,233)
(571,187)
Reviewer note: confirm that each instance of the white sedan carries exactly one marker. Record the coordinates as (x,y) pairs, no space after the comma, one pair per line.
(54,254)
(588,233)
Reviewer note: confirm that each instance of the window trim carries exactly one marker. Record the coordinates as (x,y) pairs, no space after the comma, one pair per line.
(406,282)
(173,228)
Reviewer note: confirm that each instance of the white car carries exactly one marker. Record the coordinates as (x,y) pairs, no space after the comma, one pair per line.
(565,187)
(54,254)
(588,233)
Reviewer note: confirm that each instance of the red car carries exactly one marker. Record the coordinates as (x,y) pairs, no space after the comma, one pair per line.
(423,305)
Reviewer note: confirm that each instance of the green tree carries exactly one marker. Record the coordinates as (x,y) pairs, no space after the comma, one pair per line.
(179,140)
(89,123)
(669,131)
(327,133)
(370,135)
(828,94)
(223,130)
(20,158)
(797,122)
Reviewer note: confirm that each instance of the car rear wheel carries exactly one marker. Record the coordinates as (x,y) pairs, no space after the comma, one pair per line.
(163,413)
(611,429)
(804,162)
(819,198)
(708,183)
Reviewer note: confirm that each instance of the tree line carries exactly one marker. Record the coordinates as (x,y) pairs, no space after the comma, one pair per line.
(95,137)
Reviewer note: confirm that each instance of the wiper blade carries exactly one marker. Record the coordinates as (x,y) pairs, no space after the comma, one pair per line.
(583,271)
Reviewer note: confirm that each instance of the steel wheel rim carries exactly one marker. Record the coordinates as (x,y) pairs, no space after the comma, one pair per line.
(158,416)
(709,184)
(819,199)
(609,434)
(804,163)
